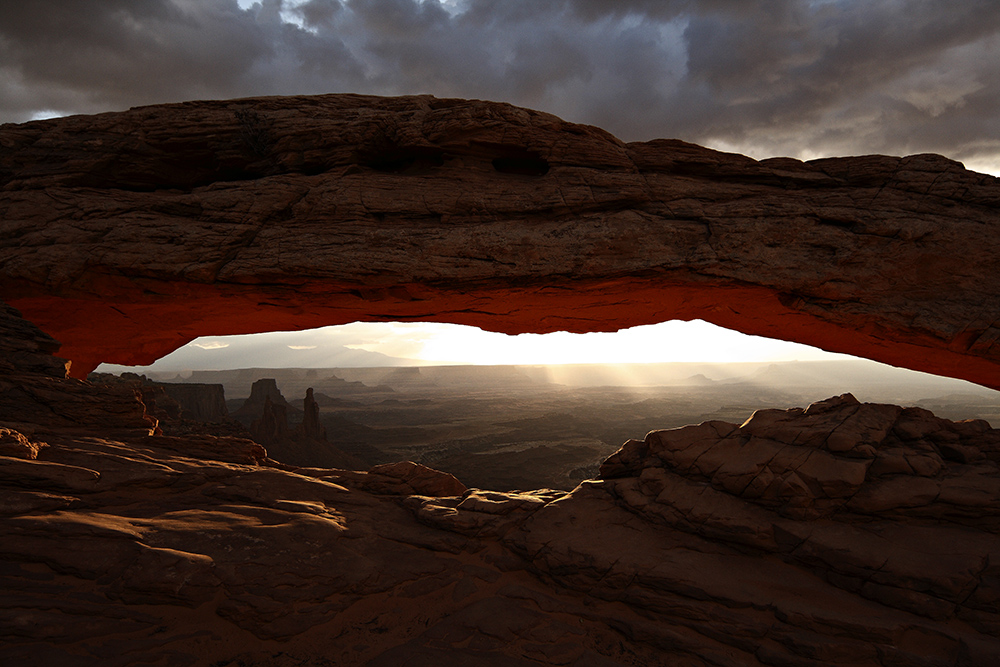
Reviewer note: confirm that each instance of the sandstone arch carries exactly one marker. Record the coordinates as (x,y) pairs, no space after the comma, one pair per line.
(126,235)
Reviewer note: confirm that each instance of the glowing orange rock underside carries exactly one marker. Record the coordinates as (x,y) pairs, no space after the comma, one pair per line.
(137,329)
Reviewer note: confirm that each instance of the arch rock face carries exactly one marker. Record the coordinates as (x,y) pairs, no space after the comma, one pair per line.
(126,235)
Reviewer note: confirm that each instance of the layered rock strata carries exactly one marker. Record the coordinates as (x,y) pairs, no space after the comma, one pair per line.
(126,235)
(198,402)
(838,534)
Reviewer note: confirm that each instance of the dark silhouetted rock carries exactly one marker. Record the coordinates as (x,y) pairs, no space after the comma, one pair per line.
(37,398)
(264,389)
(304,445)
(199,402)
(272,425)
(26,348)
(310,427)
(157,402)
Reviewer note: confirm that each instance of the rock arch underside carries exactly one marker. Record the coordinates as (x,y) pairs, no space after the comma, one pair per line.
(126,235)
(837,534)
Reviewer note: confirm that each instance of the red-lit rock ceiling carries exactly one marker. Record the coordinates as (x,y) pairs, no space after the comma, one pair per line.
(126,235)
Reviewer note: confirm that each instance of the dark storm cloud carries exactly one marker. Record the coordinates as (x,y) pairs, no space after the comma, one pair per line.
(794,77)
(97,54)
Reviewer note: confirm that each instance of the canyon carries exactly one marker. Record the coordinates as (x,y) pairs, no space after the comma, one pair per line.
(835,533)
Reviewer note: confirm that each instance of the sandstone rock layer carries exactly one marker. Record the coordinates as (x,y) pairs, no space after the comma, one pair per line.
(125,235)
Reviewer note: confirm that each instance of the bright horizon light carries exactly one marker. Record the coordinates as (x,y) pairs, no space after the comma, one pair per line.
(430,343)
(673,341)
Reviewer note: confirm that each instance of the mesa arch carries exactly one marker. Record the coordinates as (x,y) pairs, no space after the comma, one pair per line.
(126,235)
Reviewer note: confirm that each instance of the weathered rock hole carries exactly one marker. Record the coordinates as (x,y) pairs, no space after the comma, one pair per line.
(402,159)
(953,454)
(313,169)
(175,165)
(832,222)
(527,164)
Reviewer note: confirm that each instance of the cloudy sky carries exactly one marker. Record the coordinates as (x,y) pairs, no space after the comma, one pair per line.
(777,77)
(804,78)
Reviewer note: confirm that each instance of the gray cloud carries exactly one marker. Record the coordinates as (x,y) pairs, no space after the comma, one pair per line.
(783,77)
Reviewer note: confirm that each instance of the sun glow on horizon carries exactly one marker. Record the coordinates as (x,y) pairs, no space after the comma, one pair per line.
(433,343)
(673,341)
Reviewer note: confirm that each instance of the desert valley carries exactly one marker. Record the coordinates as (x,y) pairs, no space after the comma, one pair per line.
(507,428)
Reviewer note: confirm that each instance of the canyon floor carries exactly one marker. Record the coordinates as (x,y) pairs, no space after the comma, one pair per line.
(838,533)
(508,428)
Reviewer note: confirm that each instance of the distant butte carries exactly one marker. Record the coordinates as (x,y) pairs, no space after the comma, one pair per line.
(125,235)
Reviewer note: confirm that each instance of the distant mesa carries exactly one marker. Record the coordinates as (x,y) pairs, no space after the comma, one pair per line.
(569,228)
(289,435)
(698,380)
(444,377)
(264,392)
(327,401)
(200,402)
(405,377)
(267,413)
(238,383)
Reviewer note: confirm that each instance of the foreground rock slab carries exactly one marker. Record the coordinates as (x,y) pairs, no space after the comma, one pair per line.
(838,534)
(126,235)
(133,552)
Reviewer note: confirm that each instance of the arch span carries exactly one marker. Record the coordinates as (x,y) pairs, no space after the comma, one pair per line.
(126,235)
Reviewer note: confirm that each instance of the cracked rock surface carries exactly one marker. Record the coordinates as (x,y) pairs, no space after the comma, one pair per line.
(126,235)
(838,534)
